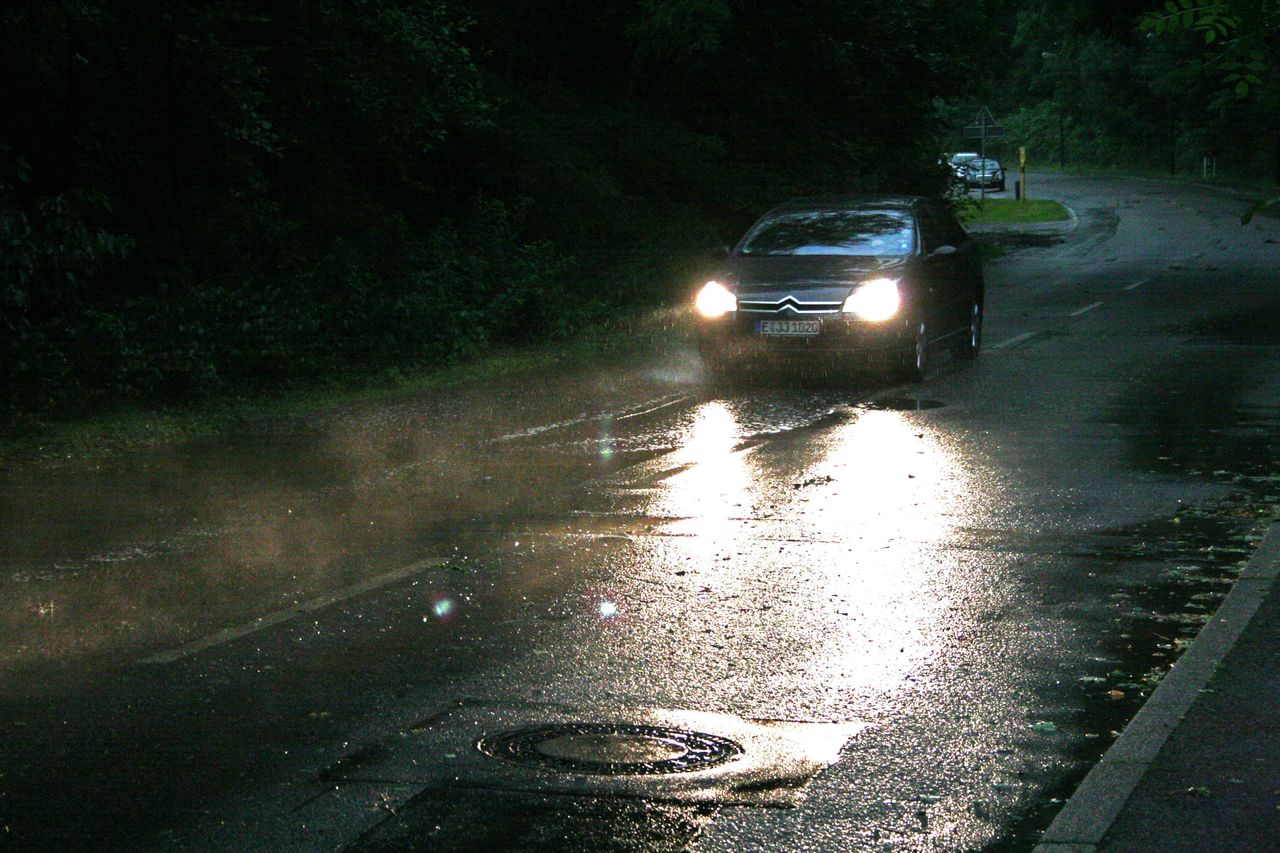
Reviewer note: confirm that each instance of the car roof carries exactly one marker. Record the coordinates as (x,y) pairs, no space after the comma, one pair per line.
(844,202)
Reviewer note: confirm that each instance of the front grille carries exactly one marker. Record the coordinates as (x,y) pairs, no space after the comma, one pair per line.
(788,303)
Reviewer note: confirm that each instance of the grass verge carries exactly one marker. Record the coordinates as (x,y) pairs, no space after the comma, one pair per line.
(1012,211)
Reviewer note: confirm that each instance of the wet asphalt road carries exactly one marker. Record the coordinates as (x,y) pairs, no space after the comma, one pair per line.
(918,614)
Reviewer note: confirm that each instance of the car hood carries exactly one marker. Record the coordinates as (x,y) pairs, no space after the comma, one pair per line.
(807,277)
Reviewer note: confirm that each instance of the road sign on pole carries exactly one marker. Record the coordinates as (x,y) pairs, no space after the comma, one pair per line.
(984,127)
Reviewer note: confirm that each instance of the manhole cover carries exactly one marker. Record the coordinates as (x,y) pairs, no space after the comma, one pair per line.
(611,749)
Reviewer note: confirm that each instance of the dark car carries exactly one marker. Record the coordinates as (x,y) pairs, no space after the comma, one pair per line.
(985,174)
(858,279)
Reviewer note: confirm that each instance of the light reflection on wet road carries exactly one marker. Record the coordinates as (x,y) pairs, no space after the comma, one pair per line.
(966,571)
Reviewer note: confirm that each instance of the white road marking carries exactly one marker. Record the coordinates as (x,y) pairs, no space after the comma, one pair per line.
(677,401)
(651,406)
(1137,284)
(262,622)
(1086,309)
(539,430)
(1025,336)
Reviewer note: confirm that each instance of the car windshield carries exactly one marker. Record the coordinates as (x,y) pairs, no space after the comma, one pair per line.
(872,232)
(984,164)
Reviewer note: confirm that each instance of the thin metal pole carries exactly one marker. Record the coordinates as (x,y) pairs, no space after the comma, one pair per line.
(1062,139)
(982,185)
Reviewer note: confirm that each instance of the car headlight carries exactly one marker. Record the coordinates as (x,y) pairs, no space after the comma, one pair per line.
(874,301)
(715,300)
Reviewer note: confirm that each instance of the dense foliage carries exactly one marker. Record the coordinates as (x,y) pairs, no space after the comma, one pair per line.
(1160,84)
(199,197)
(209,196)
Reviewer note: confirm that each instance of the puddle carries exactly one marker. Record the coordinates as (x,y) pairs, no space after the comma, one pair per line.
(1200,553)
(684,755)
(1200,415)
(1193,418)
(1190,419)
(1205,429)
(610,748)
(651,782)
(1195,557)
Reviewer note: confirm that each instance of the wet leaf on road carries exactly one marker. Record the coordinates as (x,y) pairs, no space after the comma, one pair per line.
(813,481)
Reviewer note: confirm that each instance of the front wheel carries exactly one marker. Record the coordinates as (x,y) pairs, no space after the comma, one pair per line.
(967,346)
(915,363)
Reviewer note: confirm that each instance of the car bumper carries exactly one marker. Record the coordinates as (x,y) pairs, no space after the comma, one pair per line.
(738,339)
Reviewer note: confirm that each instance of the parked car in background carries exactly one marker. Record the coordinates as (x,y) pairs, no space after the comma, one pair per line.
(847,279)
(984,174)
(958,162)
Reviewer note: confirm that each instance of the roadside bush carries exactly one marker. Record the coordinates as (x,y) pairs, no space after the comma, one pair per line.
(200,198)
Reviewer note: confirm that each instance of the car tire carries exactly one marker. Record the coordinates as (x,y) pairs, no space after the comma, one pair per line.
(968,346)
(915,360)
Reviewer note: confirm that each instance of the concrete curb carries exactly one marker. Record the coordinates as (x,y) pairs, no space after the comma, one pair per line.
(1087,817)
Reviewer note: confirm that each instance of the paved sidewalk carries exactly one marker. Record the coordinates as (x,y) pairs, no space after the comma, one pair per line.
(1198,769)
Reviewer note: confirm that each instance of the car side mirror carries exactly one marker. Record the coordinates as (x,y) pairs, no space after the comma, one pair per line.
(943,251)
(719,253)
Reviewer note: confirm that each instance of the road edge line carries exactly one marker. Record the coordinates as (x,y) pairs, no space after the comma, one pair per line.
(1016,340)
(226,635)
(1089,814)
(1080,312)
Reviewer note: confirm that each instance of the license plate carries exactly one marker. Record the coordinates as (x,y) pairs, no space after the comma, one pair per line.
(788,328)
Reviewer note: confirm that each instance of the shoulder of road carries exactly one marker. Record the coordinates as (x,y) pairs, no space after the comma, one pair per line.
(1197,768)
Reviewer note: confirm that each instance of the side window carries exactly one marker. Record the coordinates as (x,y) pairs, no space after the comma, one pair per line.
(955,234)
(931,233)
